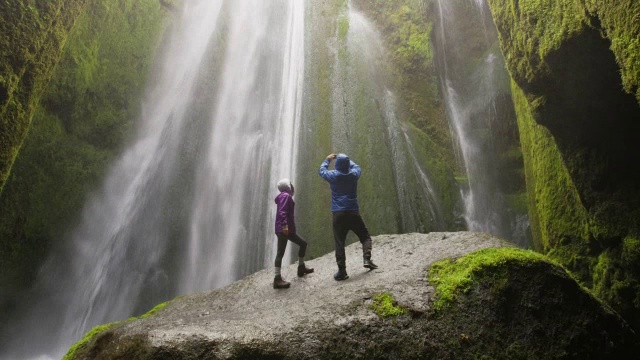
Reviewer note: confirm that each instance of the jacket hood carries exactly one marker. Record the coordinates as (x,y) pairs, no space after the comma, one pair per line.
(284,185)
(342,163)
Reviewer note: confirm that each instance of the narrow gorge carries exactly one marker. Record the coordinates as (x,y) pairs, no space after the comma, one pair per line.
(142,141)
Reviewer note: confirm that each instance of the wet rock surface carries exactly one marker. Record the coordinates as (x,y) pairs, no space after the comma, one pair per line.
(320,318)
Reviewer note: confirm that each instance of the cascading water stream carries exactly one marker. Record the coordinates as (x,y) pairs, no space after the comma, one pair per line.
(196,184)
(471,99)
(253,144)
(365,46)
(189,204)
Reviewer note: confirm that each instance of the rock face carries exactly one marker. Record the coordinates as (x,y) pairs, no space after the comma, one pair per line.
(539,312)
(575,72)
(77,90)
(32,36)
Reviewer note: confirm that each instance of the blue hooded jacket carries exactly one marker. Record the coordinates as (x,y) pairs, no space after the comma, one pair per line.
(343,182)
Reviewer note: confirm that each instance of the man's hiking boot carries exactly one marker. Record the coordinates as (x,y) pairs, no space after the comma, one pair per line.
(369,264)
(341,275)
(303,270)
(278,283)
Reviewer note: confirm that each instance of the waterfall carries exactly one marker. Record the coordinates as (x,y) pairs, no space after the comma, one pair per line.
(475,91)
(363,63)
(253,144)
(188,206)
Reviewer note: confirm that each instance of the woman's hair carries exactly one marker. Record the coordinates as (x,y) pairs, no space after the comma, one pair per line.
(285,185)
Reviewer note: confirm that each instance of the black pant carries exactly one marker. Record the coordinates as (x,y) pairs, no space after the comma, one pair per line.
(282,245)
(344,221)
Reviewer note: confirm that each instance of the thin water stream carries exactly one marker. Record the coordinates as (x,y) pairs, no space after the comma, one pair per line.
(475,87)
(364,95)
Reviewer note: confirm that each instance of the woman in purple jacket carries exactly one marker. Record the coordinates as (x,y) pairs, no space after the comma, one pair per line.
(286,230)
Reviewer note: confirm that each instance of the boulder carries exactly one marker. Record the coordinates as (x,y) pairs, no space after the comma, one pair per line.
(517,304)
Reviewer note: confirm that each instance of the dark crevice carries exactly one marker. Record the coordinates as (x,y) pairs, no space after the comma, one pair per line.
(594,122)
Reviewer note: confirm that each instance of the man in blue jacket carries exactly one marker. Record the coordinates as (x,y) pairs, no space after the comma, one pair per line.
(346,212)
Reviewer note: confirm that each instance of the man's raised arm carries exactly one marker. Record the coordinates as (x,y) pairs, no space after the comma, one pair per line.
(323,171)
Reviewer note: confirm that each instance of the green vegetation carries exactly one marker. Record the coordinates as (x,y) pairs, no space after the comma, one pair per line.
(78,126)
(615,278)
(406,29)
(32,34)
(452,278)
(565,229)
(86,342)
(620,20)
(343,26)
(533,29)
(572,108)
(87,339)
(385,306)
(510,303)
(537,27)
(546,175)
(156,309)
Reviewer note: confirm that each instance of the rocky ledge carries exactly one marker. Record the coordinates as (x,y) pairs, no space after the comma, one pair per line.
(496,303)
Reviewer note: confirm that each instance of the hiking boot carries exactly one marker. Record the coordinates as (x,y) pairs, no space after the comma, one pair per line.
(278,283)
(341,275)
(369,264)
(304,270)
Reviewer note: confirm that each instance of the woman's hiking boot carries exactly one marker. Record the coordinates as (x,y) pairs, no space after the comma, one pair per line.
(341,275)
(278,283)
(369,264)
(304,270)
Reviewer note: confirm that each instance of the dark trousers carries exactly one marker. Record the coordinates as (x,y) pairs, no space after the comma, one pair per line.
(343,221)
(282,246)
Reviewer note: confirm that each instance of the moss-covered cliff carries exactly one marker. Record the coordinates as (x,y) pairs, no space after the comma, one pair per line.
(406,27)
(32,34)
(79,123)
(575,68)
(352,65)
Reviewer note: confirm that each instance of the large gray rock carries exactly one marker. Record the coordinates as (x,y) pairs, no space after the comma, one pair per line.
(319,318)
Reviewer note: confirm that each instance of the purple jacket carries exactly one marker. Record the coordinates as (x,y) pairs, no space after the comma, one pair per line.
(284,213)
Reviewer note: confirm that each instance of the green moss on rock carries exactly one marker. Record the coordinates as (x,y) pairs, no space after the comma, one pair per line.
(504,298)
(454,277)
(615,278)
(533,29)
(385,306)
(87,340)
(620,20)
(406,29)
(133,348)
(575,70)
(32,35)
(155,310)
(79,123)
(559,212)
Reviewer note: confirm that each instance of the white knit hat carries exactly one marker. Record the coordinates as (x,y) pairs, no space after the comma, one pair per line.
(284,185)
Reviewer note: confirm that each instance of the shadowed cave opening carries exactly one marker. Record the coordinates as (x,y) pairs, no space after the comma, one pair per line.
(595,124)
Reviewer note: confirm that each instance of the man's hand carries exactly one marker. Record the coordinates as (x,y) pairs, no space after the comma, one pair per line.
(331,157)
(285,229)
